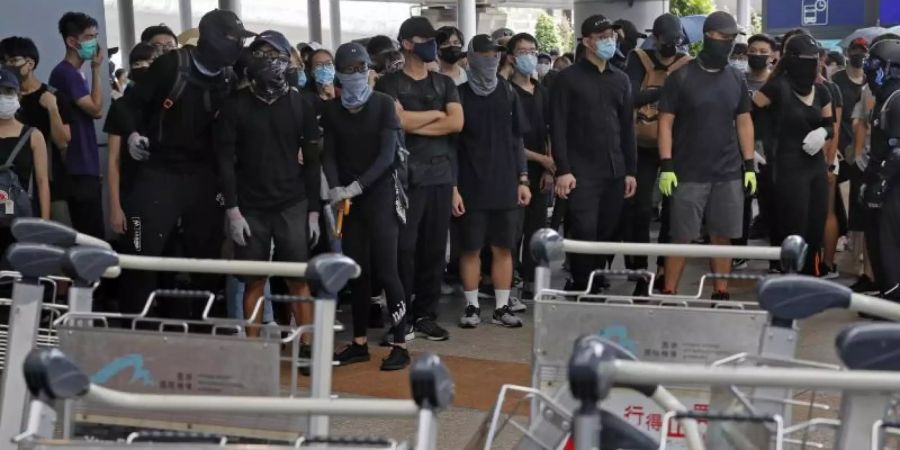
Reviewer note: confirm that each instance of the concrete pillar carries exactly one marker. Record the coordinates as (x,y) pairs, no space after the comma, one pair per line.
(334,10)
(641,13)
(314,14)
(185,15)
(126,29)
(231,5)
(743,14)
(466,15)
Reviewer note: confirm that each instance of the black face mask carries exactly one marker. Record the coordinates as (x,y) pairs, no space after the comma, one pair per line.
(426,51)
(218,51)
(715,53)
(268,77)
(451,54)
(668,50)
(856,61)
(801,73)
(138,74)
(758,62)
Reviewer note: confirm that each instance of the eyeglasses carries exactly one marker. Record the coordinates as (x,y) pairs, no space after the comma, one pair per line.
(268,54)
(354,69)
(16,61)
(526,52)
(165,47)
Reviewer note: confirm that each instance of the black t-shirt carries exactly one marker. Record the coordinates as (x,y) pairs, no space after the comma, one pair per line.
(851,93)
(257,145)
(432,93)
(31,113)
(491,157)
(536,106)
(116,123)
(354,149)
(180,135)
(762,119)
(23,164)
(795,119)
(705,105)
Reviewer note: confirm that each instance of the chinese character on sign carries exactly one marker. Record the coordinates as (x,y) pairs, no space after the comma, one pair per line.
(633,410)
(675,430)
(701,408)
(654,422)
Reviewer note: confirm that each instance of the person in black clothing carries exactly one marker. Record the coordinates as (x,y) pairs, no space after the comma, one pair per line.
(492,183)
(47,111)
(593,141)
(647,69)
(628,41)
(430,113)
(536,106)
(161,37)
(170,131)
(804,125)
(361,138)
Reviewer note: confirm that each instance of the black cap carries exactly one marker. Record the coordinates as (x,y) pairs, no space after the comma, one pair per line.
(219,20)
(501,33)
(275,39)
(8,79)
(801,44)
(631,31)
(378,44)
(722,22)
(483,43)
(351,54)
(595,24)
(417,26)
(667,29)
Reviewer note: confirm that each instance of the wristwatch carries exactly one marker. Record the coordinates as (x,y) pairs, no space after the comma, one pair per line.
(523,181)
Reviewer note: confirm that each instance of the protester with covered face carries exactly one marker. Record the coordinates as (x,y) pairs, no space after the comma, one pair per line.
(450,51)
(177,104)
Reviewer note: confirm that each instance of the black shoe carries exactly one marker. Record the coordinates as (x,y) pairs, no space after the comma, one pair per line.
(427,328)
(352,354)
(388,339)
(865,285)
(641,288)
(659,283)
(721,295)
(738,264)
(305,351)
(397,360)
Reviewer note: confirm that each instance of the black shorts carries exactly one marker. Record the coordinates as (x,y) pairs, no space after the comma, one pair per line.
(496,227)
(285,228)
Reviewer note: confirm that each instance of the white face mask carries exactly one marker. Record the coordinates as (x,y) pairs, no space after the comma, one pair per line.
(9,104)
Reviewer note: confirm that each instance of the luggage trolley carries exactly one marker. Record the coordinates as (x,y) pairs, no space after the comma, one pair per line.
(52,376)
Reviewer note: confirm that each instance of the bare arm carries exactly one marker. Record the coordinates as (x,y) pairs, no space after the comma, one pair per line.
(451,122)
(41,177)
(745,135)
(860,131)
(112,167)
(664,137)
(761,100)
(59,131)
(93,104)
(831,149)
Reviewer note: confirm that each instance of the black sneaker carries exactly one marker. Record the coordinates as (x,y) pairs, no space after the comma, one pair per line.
(864,285)
(739,264)
(721,295)
(427,328)
(305,351)
(397,360)
(388,339)
(352,354)
(659,283)
(641,288)
(827,272)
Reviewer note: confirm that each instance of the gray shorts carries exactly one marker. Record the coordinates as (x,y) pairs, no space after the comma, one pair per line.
(285,230)
(720,202)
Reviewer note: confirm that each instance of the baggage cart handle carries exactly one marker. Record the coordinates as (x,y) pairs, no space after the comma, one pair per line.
(796,297)
(282,298)
(36,230)
(179,293)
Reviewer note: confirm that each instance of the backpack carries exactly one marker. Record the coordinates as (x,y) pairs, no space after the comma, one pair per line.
(14,199)
(647,116)
(184,77)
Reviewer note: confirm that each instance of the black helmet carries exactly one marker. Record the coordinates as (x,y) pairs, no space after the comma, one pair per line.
(890,116)
(887,49)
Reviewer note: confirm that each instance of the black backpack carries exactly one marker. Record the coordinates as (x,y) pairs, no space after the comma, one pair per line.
(14,199)
(184,76)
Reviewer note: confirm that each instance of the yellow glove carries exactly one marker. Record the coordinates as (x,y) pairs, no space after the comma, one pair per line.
(667,179)
(749,177)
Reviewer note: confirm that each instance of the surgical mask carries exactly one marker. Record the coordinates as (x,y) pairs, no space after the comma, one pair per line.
(801,73)
(355,89)
(857,61)
(268,78)
(426,51)
(88,49)
(451,54)
(543,69)
(715,52)
(9,104)
(668,50)
(301,79)
(606,49)
(324,74)
(526,64)
(758,62)
(740,64)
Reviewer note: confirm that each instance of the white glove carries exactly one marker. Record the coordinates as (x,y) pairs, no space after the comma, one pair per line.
(339,193)
(815,140)
(137,147)
(758,160)
(314,231)
(862,161)
(238,226)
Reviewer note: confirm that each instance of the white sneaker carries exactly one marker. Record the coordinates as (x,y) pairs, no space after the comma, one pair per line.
(471,317)
(516,305)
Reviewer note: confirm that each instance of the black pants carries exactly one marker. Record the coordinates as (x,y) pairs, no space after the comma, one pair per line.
(883,244)
(85,201)
(801,201)
(159,199)
(371,233)
(423,245)
(593,214)
(634,225)
(535,218)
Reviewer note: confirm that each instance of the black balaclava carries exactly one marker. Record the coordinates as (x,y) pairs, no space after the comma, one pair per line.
(715,52)
(268,77)
(216,51)
(801,62)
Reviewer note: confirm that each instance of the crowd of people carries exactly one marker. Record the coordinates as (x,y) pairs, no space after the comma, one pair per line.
(442,153)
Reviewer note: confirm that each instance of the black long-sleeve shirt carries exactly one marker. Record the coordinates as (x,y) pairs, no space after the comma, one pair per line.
(257,145)
(592,122)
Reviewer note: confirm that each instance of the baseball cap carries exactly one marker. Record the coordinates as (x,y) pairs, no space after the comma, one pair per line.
(722,22)
(351,54)
(801,44)
(631,31)
(224,20)
(8,79)
(416,26)
(275,39)
(667,29)
(859,43)
(596,24)
(501,33)
(483,43)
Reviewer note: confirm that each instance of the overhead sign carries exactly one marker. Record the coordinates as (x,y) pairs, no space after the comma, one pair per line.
(786,14)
